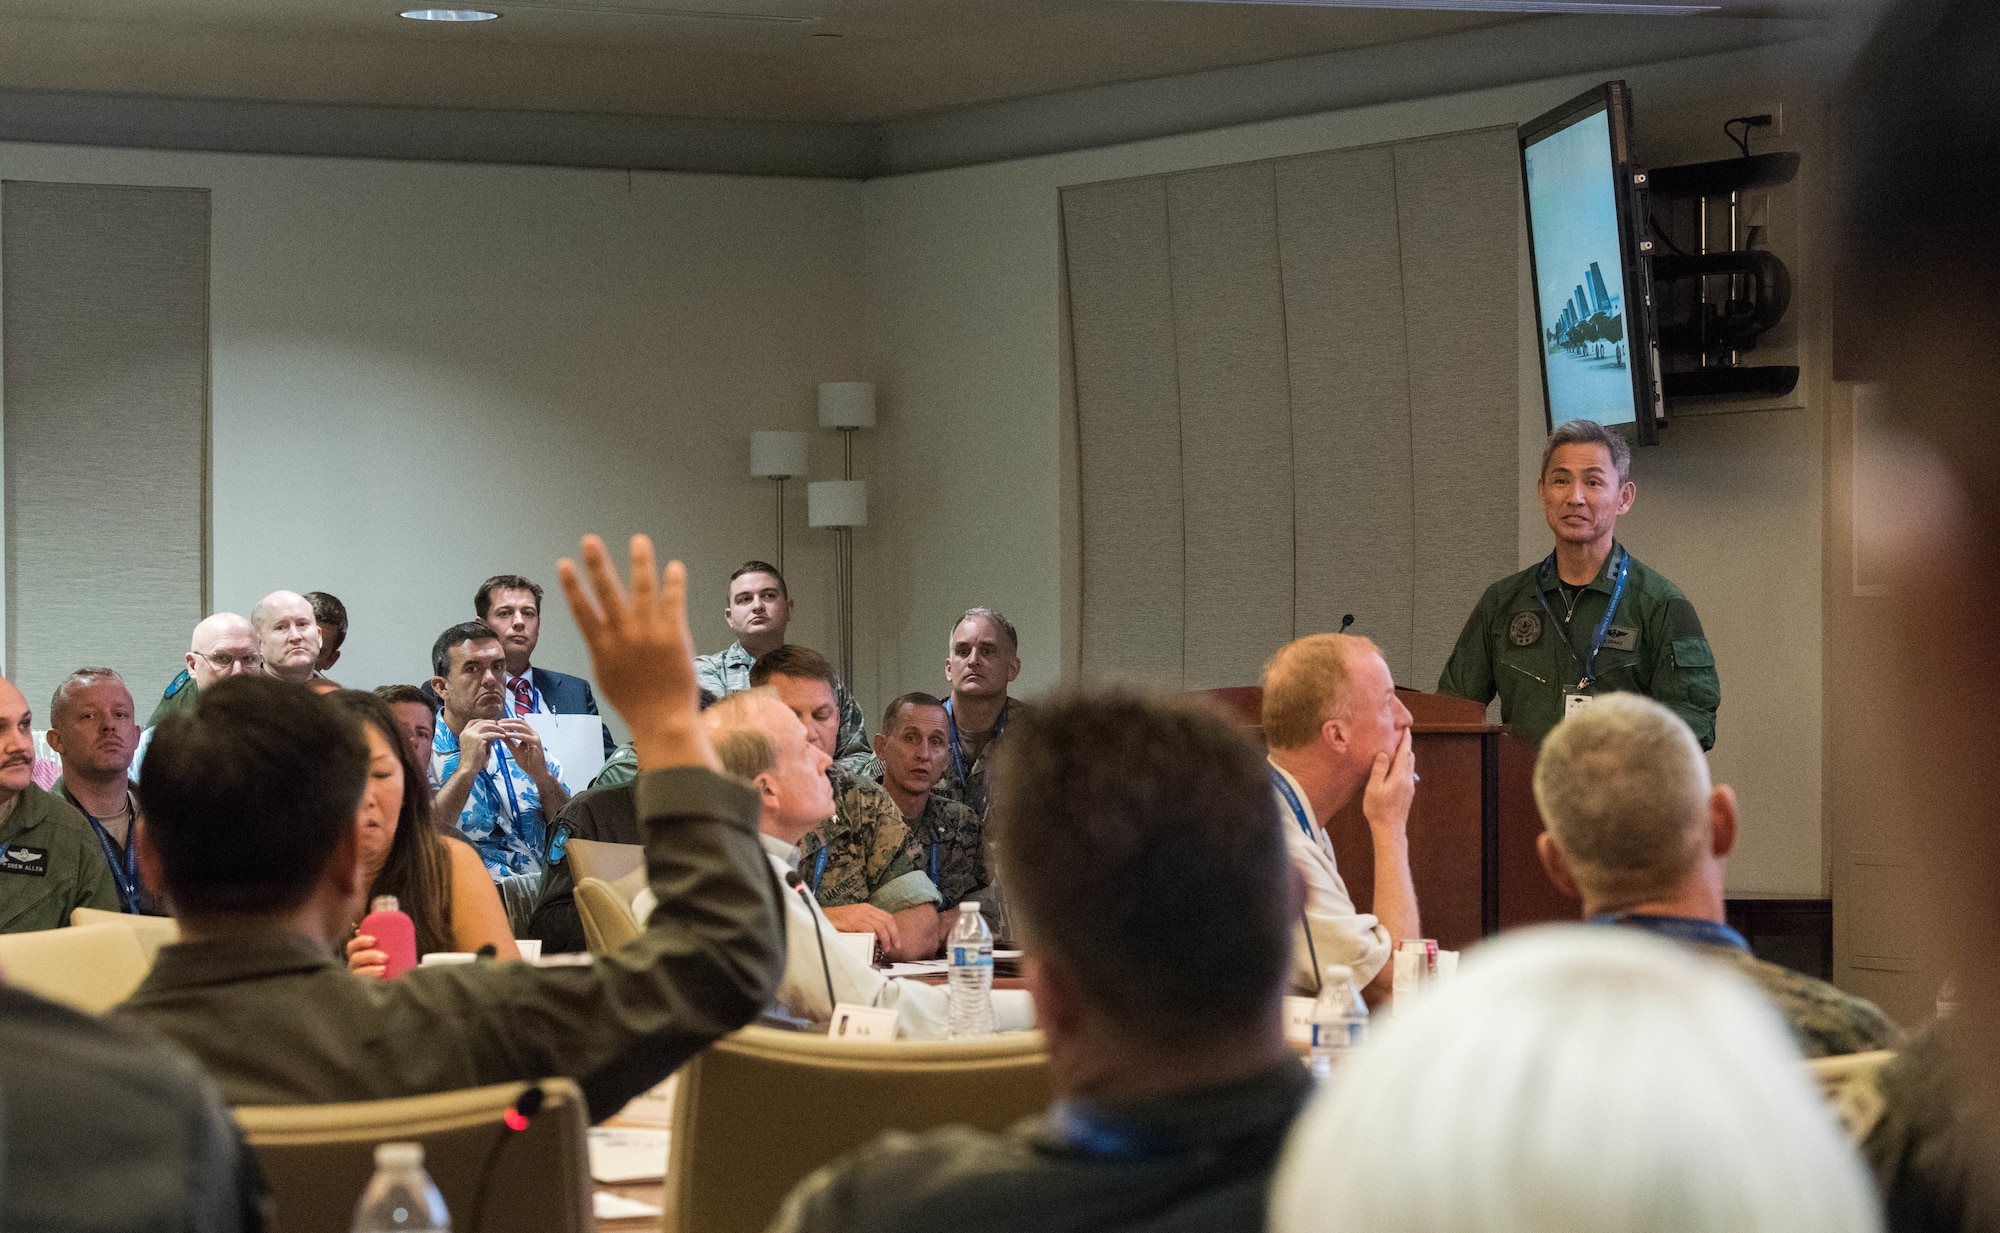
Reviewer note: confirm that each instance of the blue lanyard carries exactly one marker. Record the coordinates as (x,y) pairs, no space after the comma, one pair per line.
(935,845)
(1610,610)
(1679,928)
(957,757)
(125,866)
(1299,814)
(819,868)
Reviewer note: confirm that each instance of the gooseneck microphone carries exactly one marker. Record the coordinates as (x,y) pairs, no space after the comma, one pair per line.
(1345,621)
(797,883)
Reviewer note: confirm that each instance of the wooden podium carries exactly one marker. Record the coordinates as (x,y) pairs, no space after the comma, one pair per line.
(1472,827)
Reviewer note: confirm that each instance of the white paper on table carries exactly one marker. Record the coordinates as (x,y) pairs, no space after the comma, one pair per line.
(621,1154)
(607,1206)
(577,741)
(924,967)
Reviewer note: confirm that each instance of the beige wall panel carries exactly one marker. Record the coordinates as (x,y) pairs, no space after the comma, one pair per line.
(1236,446)
(1458,204)
(1128,430)
(106,385)
(1350,397)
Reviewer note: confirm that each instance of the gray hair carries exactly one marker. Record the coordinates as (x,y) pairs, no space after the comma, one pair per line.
(74,681)
(993,615)
(1624,791)
(1590,432)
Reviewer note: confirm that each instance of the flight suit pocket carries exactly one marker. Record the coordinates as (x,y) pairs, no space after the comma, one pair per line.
(1693,653)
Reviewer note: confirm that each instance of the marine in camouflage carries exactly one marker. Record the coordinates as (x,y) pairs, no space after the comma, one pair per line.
(1825,1021)
(948,843)
(868,850)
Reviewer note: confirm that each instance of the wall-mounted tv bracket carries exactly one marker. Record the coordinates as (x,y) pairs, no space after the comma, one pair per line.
(1738,292)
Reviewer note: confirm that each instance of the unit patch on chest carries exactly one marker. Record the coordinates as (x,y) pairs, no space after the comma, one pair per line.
(1525,629)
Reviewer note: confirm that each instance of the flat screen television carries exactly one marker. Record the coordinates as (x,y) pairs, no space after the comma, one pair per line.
(1593,293)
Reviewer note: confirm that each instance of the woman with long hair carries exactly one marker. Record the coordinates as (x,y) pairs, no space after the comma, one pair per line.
(437,878)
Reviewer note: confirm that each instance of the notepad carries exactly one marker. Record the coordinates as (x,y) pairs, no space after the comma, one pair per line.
(620,1154)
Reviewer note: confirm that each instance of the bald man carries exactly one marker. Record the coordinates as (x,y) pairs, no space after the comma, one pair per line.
(288,635)
(224,645)
(50,862)
(1336,730)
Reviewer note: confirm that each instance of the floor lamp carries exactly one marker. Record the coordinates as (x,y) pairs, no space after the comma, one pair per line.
(842,504)
(779,456)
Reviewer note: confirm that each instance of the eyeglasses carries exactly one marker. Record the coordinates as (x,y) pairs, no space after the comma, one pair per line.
(224,661)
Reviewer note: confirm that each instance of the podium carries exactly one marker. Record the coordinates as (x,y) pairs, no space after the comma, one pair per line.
(1472,826)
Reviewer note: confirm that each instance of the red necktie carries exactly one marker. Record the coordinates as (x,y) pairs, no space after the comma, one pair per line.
(524,696)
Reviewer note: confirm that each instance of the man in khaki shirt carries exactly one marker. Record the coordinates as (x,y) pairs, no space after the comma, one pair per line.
(250,806)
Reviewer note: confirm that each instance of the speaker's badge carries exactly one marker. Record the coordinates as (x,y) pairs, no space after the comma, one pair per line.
(1525,629)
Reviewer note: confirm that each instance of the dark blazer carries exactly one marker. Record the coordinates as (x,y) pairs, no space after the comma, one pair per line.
(565,694)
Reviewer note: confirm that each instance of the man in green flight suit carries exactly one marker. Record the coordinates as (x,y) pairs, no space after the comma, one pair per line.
(224,645)
(1590,619)
(50,863)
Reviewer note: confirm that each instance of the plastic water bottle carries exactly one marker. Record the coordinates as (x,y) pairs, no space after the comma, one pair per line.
(971,974)
(394,933)
(1339,1022)
(401,1198)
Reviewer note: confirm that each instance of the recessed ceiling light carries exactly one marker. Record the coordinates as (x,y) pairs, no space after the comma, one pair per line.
(449,15)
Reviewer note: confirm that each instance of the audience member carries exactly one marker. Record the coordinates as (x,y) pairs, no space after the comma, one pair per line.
(758,612)
(251,807)
(109,1129)
(858,862)
(416,722)
(50,863)
(947,840)
(224,645)
(982,658)
(1573,1080)
(600,815)
(488,770)
(1336,729)
(331,617)
(1146,873)
(437,878)
(1637,832)
(511,606)
(91,726)
(761,742)
(287,635)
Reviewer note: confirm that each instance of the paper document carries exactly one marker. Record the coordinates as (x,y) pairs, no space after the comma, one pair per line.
(621,1154)
(607,1206)
(925,967)
(577,741)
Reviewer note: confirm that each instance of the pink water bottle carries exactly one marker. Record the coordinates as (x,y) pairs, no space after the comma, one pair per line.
(394,934)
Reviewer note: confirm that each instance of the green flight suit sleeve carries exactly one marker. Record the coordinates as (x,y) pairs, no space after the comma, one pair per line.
(1684,677)
(1469,671)
(94,885)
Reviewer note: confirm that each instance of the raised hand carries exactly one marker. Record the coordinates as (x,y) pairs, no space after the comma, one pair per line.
(642,651)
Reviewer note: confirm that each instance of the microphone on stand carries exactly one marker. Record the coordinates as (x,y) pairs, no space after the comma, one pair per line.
(797,883)
(1345,621)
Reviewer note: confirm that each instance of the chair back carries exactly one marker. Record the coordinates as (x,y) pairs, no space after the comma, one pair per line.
(593,858)
(90,967)
(761,1109)
(606,916)
(154,931)
(1848,1083)
(319,1158)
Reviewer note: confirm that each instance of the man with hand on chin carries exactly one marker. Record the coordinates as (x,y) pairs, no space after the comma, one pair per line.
(50,863)
(1589,619)
(488,769)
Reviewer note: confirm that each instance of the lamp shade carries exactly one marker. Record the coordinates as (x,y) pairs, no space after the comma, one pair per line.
(846,404)
(777,454)
(837,503)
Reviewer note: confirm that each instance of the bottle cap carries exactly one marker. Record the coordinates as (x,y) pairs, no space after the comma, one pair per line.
(967,905)
(399,1155)
(384,903)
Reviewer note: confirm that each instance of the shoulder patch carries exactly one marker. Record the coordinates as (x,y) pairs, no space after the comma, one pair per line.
(1525,629)
(179,683)
(1681,619)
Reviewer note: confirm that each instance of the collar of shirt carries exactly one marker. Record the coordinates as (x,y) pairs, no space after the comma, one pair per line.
(1601,583)
(1172,1125)
(780,850)
(237,957)
(1679,928)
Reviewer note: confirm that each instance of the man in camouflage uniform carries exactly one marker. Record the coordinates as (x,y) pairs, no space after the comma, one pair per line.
(758,612)
(947,840)
(857,863)
(1637,832)
(223,645)
(982,658)
(1590,619)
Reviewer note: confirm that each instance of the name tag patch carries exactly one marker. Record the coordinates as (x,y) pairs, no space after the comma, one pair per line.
(1620,638)
(31,862)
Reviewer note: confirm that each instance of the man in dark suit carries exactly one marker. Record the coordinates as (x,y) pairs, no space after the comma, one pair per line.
(512,605)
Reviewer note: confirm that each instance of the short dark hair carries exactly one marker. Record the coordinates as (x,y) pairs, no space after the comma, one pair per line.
(1140,847)
(246,796)
(993,615)
(395,695)
(761,567)
(1589,432)
(482,599)
(77,680)
(328,610)
(801,662)
(464,631)
(914,698)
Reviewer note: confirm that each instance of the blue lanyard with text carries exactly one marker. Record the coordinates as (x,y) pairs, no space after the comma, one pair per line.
(1610,610)
(819,868)
(1299,814)
(958,758)
(504,777)
(125,869)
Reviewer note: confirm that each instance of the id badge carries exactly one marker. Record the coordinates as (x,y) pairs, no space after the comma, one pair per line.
(1575,700)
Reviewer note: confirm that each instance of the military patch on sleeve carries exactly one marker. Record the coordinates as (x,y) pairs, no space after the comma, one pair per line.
(1525,629)
(1681,620)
